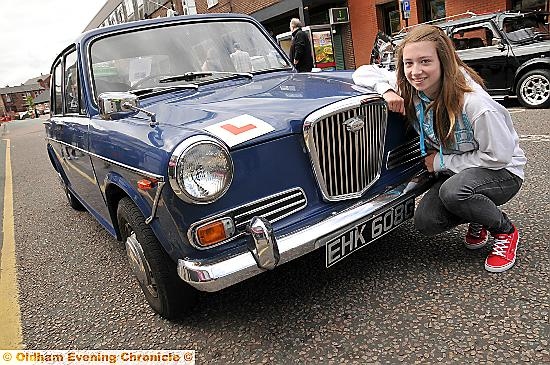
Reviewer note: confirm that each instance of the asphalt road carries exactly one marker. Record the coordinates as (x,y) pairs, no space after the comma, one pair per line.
(405,298)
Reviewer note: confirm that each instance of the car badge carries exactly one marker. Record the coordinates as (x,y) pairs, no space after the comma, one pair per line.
(355,124)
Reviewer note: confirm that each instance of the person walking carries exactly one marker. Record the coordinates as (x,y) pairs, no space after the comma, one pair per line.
(467,139)
(300,47)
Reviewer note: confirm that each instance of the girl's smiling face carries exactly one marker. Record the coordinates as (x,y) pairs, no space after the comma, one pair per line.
(422,67)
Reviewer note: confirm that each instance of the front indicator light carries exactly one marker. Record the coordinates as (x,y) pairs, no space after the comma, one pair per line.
(145,184)
(215,232)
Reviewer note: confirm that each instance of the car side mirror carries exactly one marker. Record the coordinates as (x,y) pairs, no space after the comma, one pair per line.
(117,105)
(498,42)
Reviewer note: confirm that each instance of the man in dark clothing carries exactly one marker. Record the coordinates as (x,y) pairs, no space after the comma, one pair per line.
(300,48)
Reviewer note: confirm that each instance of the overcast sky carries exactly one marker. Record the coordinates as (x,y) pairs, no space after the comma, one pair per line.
(33,32)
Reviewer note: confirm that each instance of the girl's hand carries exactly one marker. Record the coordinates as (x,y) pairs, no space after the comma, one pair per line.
(429,161)
(395,102)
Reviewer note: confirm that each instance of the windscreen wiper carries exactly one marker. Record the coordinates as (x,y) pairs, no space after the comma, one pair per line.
(190,76)
(155,89)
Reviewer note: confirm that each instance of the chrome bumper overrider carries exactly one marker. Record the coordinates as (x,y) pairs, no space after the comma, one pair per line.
(267,250)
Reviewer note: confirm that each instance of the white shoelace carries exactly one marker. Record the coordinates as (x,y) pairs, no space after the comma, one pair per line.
(499,247)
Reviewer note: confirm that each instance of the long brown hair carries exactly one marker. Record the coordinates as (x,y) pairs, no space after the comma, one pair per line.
(448,103)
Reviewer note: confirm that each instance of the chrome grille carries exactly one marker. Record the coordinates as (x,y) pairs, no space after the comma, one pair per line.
(347,162)
(403,154)
(274,208)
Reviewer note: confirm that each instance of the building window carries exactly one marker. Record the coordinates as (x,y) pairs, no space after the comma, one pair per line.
(211,3)
(433,9)
(129,6)
(141,9)
(391,21)
(529,5)
(112,19)
(8,98)
(189,7)
(120,14)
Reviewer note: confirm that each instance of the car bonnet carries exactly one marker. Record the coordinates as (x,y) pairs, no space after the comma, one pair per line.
(279,103)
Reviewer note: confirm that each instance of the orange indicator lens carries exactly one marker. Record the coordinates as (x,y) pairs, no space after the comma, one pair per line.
(211,233)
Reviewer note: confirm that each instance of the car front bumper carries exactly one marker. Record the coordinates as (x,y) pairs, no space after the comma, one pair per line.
(271,251)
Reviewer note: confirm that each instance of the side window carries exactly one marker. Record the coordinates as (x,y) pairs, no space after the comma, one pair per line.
(57,99)
(473,37)
(72,90)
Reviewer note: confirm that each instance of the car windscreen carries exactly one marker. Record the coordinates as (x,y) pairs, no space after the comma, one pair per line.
(527,27)
(141,58)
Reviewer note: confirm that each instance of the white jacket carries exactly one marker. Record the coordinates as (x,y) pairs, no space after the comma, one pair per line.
(484,133)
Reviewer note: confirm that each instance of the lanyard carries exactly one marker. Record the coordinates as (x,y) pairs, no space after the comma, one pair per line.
(422,138)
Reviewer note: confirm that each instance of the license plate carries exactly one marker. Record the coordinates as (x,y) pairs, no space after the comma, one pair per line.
(367,231)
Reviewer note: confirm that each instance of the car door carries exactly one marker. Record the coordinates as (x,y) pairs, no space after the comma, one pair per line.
(481,47)
(69,129)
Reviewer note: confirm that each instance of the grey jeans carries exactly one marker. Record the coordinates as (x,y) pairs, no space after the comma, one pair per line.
(471,196)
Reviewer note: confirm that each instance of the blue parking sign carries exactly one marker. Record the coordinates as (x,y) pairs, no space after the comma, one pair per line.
(406,5)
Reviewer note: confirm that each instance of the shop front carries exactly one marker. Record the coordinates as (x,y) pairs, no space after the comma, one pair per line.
(322,49)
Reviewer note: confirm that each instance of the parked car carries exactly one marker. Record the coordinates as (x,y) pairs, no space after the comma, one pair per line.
(210,177)
(511,51)
(23,115)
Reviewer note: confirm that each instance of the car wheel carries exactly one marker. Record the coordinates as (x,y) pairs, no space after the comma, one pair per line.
(155,271)
(71,199)
(534,89)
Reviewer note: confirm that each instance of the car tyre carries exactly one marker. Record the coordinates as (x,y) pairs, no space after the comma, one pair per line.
(155,271)
(533,90)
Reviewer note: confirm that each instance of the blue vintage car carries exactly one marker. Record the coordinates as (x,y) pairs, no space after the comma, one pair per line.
(195,142)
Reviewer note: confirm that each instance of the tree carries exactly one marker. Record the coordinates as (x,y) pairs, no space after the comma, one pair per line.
(30,103)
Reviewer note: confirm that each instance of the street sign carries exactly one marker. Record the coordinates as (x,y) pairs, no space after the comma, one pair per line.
(338,15)
(406,9)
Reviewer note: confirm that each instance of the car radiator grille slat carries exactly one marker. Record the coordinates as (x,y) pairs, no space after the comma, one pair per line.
(349,162)
(408,152)
(273,208)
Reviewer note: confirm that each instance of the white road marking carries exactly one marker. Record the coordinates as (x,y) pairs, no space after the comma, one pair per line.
(534,138)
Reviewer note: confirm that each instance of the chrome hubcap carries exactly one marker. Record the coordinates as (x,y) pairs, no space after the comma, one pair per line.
(139,265)
(535,89)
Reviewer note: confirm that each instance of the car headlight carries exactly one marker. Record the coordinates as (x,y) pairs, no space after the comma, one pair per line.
(200,170)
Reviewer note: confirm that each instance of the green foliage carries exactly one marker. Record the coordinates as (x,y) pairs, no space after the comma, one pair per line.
(30,103)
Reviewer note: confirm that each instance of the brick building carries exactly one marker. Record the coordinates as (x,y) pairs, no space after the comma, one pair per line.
(13,99)
(352,40)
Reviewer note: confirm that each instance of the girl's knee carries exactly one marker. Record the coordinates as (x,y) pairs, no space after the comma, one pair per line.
(451,194)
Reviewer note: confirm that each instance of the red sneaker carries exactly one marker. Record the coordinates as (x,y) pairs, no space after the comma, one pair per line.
(476,237)
(503,255)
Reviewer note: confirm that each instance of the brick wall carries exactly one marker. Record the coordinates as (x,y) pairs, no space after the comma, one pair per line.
(349,56)
(477,6)
(364,26)
(366,21)
(234,6)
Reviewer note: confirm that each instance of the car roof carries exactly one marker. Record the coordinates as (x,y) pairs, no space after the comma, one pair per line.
(161,20)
